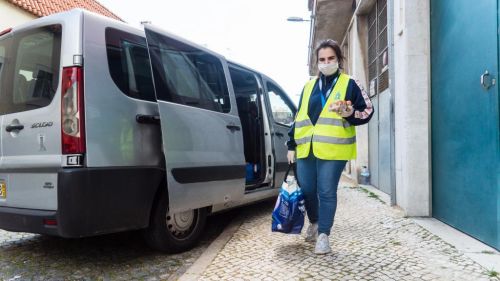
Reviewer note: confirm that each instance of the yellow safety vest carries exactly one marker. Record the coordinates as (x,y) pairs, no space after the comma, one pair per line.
(332,138)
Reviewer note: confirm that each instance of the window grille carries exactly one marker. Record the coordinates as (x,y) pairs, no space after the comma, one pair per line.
(378,56)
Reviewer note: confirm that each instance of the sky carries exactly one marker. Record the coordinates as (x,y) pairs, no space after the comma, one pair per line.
(253,33)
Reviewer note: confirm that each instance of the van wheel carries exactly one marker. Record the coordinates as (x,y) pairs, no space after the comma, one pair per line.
(177,232)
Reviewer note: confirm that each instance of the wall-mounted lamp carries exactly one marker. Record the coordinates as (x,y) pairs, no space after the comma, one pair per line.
(296,19)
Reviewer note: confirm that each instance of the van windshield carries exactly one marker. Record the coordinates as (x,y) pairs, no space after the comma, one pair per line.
(29,68)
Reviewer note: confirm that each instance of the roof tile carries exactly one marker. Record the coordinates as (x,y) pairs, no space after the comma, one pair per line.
(42,8)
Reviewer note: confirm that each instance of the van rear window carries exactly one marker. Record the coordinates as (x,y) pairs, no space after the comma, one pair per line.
(29,68)
(129,66)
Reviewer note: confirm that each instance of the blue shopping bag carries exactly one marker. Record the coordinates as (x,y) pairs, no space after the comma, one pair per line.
(289,211)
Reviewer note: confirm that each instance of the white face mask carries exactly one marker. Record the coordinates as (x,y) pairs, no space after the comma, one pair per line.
(328,68)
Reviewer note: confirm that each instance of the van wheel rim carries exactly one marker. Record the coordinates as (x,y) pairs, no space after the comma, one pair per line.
(181,224)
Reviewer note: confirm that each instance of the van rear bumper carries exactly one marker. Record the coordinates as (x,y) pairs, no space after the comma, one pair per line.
(92,201)
(26,220)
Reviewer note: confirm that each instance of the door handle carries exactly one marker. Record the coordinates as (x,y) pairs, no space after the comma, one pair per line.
(233,128)
(147,119)
(487,81)
(279,134)
(17,127)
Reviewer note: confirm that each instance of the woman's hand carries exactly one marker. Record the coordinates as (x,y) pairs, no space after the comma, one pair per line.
(290,156)
(342,108)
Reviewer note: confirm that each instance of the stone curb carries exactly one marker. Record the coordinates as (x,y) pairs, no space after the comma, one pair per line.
(195,271)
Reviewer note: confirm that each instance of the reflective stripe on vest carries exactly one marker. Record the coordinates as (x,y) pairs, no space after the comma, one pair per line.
(303,123)
(333,122)
(332,138)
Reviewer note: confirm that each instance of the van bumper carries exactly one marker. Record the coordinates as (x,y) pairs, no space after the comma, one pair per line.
(92,201)
(26,220)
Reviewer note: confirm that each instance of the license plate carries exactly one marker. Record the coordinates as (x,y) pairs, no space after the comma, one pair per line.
(3,190)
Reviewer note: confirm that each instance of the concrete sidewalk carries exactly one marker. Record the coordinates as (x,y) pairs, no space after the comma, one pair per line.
(370,241)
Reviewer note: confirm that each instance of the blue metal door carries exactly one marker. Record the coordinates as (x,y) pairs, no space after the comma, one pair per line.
(465,119)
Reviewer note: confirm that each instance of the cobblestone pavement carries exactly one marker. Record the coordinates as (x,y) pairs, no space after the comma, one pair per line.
(370,241)
(121,256)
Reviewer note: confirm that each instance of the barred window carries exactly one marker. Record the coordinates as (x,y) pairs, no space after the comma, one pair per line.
(378,56)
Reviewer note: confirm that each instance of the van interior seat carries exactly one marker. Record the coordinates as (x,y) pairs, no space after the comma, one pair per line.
(255,129)
(22,87)
(248,112)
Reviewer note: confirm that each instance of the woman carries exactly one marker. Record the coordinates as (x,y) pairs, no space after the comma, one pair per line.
(324,138)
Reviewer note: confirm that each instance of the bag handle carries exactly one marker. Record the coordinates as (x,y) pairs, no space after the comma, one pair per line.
(294,167)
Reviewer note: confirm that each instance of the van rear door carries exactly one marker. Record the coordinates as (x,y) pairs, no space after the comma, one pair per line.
(201,131)
(30,129)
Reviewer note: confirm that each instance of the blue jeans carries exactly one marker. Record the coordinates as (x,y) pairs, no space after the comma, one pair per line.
(319,180)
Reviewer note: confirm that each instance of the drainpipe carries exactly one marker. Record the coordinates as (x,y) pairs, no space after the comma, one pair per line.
(390,32)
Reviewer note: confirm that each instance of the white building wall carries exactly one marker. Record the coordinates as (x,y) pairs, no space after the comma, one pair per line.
(11,16)
(412,106)
(412,100)
(357,40)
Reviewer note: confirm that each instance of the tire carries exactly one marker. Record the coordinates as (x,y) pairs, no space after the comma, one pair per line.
(174,233)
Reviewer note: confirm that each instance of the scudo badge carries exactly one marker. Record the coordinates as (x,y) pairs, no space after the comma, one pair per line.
(41,125)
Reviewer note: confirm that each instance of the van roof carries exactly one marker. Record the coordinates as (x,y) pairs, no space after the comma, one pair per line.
(70,14)
(77,12)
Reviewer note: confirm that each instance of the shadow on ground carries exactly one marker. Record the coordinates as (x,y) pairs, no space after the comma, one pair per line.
(121,256)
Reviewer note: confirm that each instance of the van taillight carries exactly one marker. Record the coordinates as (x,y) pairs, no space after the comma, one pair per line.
(72,117)
(5,31)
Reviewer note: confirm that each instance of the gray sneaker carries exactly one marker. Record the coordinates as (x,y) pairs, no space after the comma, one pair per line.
(312,232)
(322,245)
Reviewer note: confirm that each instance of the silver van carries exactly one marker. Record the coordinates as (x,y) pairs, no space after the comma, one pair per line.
(108,128)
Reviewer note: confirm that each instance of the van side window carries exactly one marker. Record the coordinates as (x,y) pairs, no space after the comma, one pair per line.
(2,55)
(2,62)
(29,71)
(283,113)
(188,76)
(128,63)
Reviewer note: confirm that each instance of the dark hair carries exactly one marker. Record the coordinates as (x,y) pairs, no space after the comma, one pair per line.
(329,43)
